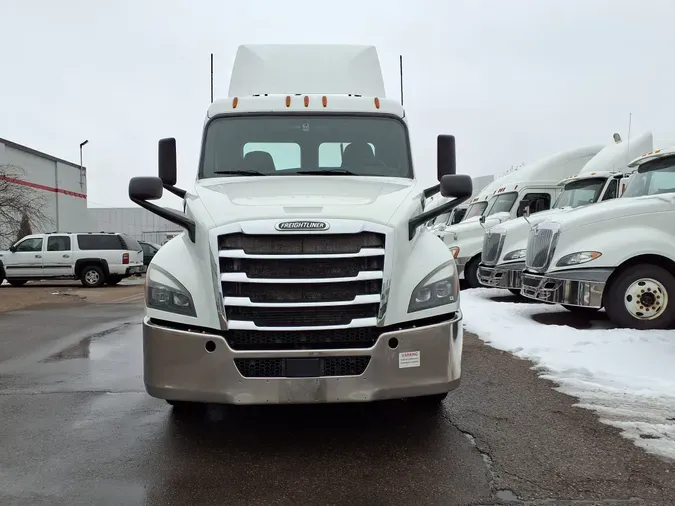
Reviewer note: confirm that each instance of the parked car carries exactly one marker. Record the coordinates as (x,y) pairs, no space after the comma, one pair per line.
(149,251)
(93,258)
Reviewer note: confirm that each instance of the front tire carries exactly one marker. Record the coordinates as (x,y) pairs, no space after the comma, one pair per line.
(471,273)
(92,276)
(639,298)
(429,401)
(113,280)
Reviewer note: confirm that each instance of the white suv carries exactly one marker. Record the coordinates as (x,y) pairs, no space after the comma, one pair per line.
(93,258)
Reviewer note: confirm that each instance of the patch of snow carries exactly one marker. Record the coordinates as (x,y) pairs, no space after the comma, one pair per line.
(626,376)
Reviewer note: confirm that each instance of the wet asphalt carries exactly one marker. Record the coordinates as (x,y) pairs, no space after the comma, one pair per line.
(76,427)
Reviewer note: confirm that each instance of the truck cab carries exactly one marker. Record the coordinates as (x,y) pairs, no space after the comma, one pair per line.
(305,273)
(603,178)
(534,186)
(616,254)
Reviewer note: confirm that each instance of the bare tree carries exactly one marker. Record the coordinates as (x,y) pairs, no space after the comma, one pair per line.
(21,207)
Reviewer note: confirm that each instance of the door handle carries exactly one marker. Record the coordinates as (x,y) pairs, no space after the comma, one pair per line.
(66,256)
(38,256)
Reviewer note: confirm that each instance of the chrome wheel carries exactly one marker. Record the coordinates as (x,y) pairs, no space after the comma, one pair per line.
(646,299)
(92,277)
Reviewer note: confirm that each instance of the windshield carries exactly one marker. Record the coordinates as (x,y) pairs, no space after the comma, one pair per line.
(580,193)
(475,209)
(653,178)
(284,145)
(502,203)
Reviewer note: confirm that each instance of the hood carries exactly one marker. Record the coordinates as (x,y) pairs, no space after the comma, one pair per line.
(534,219)
(614,209)
(349,197)
(473,227)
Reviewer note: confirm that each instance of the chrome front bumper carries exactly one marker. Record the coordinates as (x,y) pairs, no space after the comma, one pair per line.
(501,276)
(178,367)
(580,287)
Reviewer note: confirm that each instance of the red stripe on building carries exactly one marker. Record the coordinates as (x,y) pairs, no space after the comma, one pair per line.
(43,187)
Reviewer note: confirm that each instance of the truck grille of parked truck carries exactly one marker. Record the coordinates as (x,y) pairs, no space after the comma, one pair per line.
(326,282)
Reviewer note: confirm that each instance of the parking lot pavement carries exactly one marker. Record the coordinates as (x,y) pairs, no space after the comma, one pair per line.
(68,293)
(78,428)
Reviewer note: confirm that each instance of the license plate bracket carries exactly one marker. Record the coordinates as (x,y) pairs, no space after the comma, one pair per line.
(302,367)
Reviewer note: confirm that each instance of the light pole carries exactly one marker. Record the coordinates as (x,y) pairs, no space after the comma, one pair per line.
(81,168)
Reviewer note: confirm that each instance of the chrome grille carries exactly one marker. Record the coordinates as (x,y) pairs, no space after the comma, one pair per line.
(540,246)
(493,241)
(294,282)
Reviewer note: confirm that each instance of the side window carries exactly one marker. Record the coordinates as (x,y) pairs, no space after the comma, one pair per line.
(33,244)
(282,155)
(330,153)
(612,190)
(146,249)
(538,202)
(130,243)
(98,242)
(58,243)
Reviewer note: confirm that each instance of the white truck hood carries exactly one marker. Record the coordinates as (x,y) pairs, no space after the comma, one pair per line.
(348,197)
(516,225)
(614,209)
(473,227)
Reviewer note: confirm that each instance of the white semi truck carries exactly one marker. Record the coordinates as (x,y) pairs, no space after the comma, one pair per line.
(305,273)
(618,254)
(603,178)
(534,186)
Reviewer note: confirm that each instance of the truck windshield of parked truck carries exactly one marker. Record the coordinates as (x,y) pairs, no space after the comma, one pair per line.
(501,203)
(653,178)
(309,144)
(580,193)
(475,209)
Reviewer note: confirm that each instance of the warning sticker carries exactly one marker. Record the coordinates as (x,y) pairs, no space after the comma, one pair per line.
(408,359)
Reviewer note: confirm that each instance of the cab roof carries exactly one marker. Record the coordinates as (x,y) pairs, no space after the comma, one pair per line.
(310,103)
(652,155)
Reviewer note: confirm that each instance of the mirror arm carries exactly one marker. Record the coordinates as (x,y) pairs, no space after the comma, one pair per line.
(175,190)
(169,215)
(422,218)
(433,190)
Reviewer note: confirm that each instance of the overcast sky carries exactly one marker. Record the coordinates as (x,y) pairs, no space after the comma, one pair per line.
(513,80)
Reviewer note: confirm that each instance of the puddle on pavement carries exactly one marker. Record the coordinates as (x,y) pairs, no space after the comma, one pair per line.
(507,496)
(82,348)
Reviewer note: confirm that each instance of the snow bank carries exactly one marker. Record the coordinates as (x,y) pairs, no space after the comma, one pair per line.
(626,376)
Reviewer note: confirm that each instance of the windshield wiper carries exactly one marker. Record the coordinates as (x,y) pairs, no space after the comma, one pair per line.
(330,172)
(241,172)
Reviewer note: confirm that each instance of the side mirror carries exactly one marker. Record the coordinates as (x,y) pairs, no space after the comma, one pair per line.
(12,248)
(481,219)
(459,186)
(524,208)
(166,158)
(145,188)
(446,159)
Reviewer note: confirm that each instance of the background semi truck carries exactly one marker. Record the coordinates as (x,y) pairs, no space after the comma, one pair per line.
(305,274)
(604,177)
(534,186)
(618,254)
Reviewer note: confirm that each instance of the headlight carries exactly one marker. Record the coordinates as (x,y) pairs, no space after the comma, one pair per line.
(580,257)
(515,255)
(437,289)
(166,293)
(454,251)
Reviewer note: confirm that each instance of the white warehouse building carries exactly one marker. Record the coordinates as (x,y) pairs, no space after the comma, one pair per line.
(60,184)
